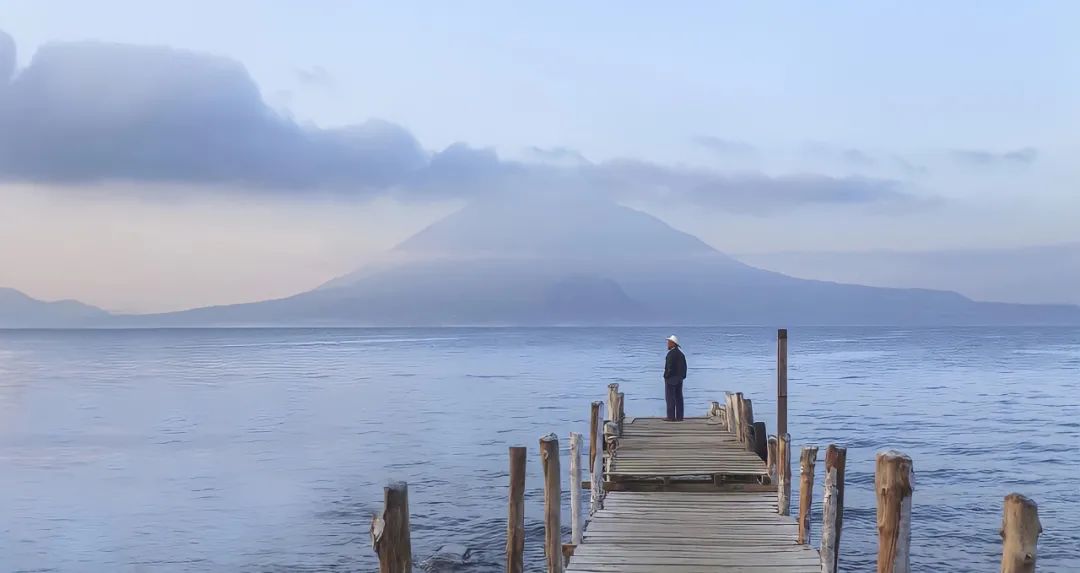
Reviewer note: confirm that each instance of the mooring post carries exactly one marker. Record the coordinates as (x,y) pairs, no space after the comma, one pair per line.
(390,531)
(596,482)
(740,428)
(783,470)
(729,412)
(515,522)
(549,459)
(894,481)
(807,461)
(771,459)
(832,509)
(612,396)
(575,488)
(781,382)
(1020,529)
(596,449)
(621,412)
(761,436)
(594,431)
(748,425)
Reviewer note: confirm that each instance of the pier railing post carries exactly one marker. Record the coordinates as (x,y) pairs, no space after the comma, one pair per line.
(832,509)
(515,522)
(1020,529)
(894,482)
(783,472)
(549,459)
(575,488)
(807,461)
(390,531)
(771,459)
(781,382)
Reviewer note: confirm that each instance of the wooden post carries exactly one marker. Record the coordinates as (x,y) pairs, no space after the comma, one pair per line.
(771,461)
(575,488)
(390,531)
(515,523)
(549,459)
(783,472)
(832,510)
(594,430)
(807,461)
(737,402)
(781,382)
(612,395)
(611,440)
(761,437)
(596,483)
(748,424)
(1020,529)
(894,481)
(729,412)
(622,410)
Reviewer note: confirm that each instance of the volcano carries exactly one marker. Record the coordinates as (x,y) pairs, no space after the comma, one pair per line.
(575,260)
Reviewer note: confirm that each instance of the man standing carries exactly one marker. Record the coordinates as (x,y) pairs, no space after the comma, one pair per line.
(674,374)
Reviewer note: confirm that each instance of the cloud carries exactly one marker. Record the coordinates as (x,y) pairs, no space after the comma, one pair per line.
(94,111)
(850,156)
(754,193)
(724,146)
(1022,156)
(315,76)
(90,112)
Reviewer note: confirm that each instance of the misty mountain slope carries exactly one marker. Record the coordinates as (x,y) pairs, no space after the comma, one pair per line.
(1030,275)
(19,310)
(574,260)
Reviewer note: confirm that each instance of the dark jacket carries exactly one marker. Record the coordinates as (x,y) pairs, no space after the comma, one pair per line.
(675,366)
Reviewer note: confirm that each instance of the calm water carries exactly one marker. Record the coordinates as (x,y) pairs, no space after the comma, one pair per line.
(267,450)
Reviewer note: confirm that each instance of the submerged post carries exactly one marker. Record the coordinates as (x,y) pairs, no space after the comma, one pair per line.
(807,461)
(549,459)
(832,510)
(894,481)
(390,531)
(515,522)
(1020,529)
(783,471)
(575,488)
(781,382)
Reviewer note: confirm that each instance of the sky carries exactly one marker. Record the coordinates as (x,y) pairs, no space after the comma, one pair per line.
(165,155)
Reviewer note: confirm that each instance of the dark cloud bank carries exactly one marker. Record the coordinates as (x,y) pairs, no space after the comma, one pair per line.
(89,111)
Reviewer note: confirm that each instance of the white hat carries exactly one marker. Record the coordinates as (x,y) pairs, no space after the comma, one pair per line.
(674,339)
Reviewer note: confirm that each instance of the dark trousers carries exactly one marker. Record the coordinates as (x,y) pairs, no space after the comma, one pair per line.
(674,399)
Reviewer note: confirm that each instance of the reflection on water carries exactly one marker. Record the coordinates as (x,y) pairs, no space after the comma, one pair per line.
(266,450)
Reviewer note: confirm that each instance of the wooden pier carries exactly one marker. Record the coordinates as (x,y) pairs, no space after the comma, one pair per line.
(688,497)
(705,495)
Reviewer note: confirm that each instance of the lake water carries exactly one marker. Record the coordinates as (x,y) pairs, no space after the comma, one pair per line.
(267,450)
